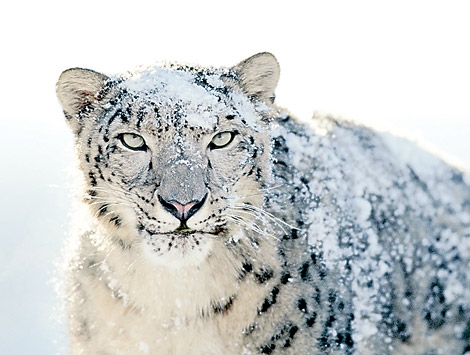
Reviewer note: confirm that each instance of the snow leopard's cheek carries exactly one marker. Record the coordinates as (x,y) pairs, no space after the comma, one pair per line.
(130,168)
(248,176)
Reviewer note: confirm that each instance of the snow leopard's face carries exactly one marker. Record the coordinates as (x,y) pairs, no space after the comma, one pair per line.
(175,159)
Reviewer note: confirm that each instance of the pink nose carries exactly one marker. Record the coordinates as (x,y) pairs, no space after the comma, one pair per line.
(182,211)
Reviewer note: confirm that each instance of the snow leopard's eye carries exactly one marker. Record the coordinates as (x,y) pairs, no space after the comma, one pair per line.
(132,141)
(221,140)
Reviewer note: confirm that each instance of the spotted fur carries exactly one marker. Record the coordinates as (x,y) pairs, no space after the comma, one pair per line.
(220,225)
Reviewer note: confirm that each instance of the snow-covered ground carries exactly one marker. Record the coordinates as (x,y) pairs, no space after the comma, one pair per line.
(403,67)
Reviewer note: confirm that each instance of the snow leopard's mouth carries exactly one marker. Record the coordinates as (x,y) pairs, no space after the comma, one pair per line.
(185,232)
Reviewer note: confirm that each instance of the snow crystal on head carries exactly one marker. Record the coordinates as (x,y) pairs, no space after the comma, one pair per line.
(198,96)
(200,106)
(246,110)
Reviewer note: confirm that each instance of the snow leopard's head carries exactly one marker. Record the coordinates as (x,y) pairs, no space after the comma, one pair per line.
(175,158)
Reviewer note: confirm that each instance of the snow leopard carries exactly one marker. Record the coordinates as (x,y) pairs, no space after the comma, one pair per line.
(216,223)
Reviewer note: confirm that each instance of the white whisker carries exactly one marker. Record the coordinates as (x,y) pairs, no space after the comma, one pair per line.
(246,223)
(251,225)
(279,222)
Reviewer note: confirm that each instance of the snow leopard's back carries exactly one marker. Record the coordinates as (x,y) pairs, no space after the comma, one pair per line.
(388,225)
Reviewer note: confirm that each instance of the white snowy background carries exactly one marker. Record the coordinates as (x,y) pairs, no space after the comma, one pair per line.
(401,65)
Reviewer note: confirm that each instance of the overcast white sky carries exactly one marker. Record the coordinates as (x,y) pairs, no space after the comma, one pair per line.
(404,65)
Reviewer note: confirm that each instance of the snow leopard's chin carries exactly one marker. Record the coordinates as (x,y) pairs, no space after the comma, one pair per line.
(176,250)
(180,248)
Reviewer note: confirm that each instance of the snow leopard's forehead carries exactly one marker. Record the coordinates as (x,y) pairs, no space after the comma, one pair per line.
(197,97)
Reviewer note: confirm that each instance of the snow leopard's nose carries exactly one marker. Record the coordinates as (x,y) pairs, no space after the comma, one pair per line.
(182,211)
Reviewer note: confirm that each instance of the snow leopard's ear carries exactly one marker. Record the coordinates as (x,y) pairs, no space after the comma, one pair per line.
(258,76)
(79,92)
